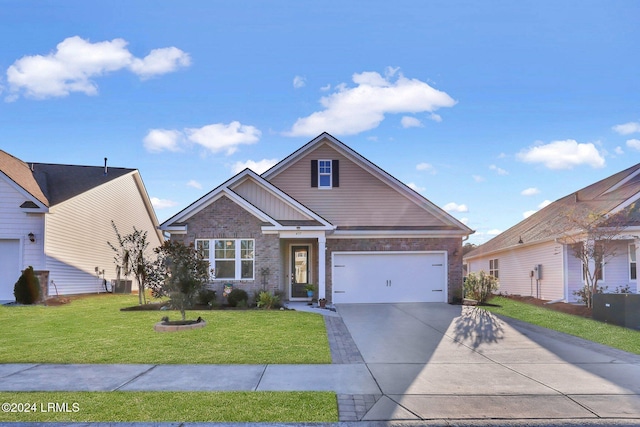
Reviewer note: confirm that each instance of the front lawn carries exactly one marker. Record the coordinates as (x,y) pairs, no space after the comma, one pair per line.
(589,329)
(290,407)
(92,329)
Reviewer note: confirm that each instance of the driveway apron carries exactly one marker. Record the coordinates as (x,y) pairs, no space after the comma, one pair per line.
(434,361)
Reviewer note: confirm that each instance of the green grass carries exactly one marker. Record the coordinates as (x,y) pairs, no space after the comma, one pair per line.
(92,329)
(592,330)
(292,407)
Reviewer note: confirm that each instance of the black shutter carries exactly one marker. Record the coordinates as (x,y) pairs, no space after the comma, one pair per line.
(335,170)
(314,173)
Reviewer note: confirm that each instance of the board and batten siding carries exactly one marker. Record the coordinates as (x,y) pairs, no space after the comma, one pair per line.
(15,224)
(78,231)
(515,266)
(362,199)
(269,203)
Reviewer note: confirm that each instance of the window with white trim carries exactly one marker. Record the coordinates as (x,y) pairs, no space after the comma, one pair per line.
(493,267)
(633,272)
(324,174)
(230,259)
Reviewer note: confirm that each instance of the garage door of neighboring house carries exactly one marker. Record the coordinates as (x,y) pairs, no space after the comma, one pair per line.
(9,268)
(379,277)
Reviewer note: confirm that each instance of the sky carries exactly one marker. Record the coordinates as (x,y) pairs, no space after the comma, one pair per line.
(491,110)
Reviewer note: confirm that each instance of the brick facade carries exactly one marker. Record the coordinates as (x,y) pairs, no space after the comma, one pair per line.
(453,247)
(224,219)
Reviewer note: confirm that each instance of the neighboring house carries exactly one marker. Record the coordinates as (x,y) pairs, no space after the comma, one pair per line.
(326,216)
(535,258)
(57,218)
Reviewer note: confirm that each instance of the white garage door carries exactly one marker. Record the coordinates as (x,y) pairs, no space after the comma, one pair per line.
(378,277)
(9,268)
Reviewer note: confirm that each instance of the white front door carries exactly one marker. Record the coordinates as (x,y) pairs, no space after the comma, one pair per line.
(379,277)
(9,268)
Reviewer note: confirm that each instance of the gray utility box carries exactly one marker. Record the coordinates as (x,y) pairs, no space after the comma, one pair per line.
(618,309)
(121,287)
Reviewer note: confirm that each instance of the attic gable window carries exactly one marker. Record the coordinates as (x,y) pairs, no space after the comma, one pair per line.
(325,174)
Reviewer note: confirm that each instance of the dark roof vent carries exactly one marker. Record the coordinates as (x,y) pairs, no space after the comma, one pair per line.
(105,166)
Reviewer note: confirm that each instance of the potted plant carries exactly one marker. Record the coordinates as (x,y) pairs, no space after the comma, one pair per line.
(310,288)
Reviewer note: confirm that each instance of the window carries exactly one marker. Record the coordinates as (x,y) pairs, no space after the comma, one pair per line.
(232,259)
(633,274)
(493,267)
(599,273)
(324,173)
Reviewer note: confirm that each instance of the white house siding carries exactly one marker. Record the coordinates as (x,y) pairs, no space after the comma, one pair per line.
(362,199)
(17,224)
(78,231)
(268,202)
(515,266)
(616,271)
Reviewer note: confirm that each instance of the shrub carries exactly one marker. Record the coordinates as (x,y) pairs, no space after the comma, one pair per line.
(268,300)
(207,297)
(480,286)
(27,288)
(238,298)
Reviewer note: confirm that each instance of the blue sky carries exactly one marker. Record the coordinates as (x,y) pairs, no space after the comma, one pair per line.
(488,109)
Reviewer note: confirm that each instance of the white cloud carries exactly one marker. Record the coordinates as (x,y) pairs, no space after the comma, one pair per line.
(415,187)
(618,150)
(634,143)
(478,178)
(258,167)
(194,184)
(215,137)
(75,62)
(544,204)
(426,167)
(563,155)
(158,140)
(527,214)
(221,137)
(299,81)
(351,110)
(530,191)
(494,232)
(465,221)
(498,170)
(454,207)
(435,117)
(627,128)
(410,122)
(326,88)
(162,203)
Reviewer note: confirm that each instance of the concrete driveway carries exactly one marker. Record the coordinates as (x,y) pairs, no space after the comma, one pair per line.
(434,361)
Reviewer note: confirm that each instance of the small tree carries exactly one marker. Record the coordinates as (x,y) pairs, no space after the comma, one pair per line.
(131,257)
(480,286)
(179,273)
(591,236)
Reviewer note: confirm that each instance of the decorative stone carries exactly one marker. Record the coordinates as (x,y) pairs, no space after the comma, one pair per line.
(167,327)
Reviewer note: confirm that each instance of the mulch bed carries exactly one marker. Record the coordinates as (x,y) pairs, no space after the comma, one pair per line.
(574,309)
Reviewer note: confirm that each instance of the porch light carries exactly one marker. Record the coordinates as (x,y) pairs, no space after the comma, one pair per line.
(32,237)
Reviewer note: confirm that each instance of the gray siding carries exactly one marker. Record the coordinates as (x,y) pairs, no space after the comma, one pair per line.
(78,231)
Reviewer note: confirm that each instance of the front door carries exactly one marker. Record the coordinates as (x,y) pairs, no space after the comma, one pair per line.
(299,271)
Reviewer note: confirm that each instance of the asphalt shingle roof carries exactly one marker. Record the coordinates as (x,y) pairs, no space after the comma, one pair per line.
(602,197)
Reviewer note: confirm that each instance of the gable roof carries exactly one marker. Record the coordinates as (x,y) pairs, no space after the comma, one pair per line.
(63,182)
(22,176)
(307,218)
(607,196)
(450,222)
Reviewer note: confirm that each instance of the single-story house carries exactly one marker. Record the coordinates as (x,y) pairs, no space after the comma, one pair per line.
(535,257)
(325,216)
(57,219)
